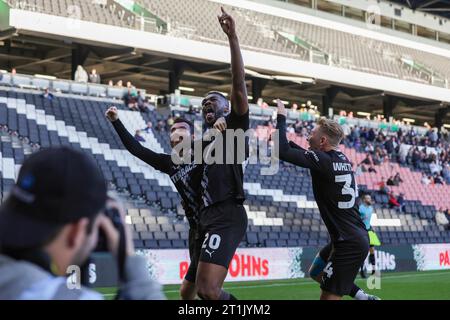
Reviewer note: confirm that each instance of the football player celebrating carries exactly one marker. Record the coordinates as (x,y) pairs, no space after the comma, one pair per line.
(335,192)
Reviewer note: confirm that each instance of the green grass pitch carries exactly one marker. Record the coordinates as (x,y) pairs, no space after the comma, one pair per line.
(426,285)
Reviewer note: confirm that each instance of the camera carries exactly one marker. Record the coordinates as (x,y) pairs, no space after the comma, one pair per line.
(101,259)
(113,213)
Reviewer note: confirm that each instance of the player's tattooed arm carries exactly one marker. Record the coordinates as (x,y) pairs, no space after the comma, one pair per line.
(239,99)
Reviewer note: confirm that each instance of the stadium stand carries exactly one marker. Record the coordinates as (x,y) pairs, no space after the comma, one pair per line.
(106,11)
(260,32)
(281,208)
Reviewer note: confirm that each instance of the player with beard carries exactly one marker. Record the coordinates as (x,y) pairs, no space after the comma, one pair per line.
(185,176)
(223,218)
(335,191)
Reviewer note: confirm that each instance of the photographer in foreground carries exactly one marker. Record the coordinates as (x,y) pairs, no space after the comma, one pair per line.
(51,222)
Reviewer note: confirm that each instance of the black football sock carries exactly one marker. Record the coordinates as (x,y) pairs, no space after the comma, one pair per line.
(357,293)
(372,261)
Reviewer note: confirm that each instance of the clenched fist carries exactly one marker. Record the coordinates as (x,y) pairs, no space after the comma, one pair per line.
(112,114)
(281,109)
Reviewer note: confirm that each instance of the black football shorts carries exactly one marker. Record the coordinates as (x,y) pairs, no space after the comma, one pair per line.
(195,244)
(223,226)
(343,260)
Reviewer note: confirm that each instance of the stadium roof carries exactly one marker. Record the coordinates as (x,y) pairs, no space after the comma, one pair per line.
(34,54)
(437,7)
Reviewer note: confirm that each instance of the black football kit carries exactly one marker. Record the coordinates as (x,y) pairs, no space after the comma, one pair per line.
(223,219)
(335,192)
(185,177)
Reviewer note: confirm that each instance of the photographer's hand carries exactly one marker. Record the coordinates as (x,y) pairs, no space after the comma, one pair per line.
(112,234)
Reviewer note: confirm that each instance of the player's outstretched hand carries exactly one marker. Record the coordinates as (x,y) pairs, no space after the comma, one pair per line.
(220,124)
(227,23)
(112,114)
(281,108)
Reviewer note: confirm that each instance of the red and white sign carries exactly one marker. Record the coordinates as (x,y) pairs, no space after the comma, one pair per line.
(170,266)
(432,256)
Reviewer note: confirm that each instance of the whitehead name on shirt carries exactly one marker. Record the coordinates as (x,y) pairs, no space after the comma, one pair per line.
(342,166)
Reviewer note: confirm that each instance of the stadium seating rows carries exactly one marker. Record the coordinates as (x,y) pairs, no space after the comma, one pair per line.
(281,208)
(262,32)
(108,13)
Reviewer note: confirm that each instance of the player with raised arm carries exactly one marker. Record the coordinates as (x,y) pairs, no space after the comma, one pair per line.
(335,192)
(185,176)
(223,218)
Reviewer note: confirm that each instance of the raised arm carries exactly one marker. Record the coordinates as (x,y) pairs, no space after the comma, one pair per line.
(159,161)
(239,99)
(291,152)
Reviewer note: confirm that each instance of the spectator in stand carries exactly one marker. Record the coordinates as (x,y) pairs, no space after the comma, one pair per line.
(47,95)
(148,128)
(390,181)
(435,167)
(130,98)
(119,83)
(416,157)
(367,160)
(363,134)
(433,135)
(402,152)
(441,219)
(401,202)
(13,71)
(191,110)
(382,186)
(389,145)
(437,179)
(393,202)
(138,136)
(377,158)
(141,103)
(94,77)
(397,179)
(110,83)
(372,169)
(359,170)
(446,172)
(371,135)
(81,75)
(161,126)
(369,148)
(260,102)
(131,102)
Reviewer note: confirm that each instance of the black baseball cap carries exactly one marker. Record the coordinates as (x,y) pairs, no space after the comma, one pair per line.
(55,186)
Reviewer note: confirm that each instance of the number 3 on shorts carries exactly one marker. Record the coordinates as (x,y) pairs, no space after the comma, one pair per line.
(214,241)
